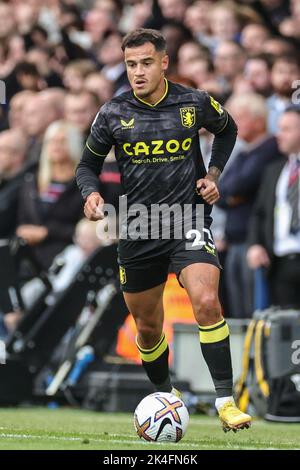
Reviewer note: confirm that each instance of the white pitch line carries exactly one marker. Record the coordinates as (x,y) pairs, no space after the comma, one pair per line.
(32,436)
(80,439)
(123,441)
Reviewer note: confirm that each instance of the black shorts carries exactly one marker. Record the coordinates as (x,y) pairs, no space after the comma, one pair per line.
(146,263)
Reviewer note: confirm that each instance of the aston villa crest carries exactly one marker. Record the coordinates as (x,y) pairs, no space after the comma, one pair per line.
(188,116)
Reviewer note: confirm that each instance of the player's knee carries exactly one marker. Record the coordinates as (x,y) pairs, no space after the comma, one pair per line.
(148,333)
(207,309)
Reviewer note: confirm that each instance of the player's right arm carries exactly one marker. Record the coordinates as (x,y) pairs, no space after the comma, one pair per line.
(96,148)
(219,122)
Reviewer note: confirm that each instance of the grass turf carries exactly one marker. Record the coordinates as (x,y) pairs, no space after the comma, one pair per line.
(68,429)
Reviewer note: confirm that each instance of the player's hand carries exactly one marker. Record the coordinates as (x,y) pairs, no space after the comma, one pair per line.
(93,208)
(208,189)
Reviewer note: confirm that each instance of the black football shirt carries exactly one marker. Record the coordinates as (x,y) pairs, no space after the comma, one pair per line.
(157,146)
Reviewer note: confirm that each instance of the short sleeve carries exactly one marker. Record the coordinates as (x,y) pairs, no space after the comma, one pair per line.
(215,117)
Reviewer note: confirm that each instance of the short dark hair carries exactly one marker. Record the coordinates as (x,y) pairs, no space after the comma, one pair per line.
(291,59)
(141,36)
(26,68)
(264,57)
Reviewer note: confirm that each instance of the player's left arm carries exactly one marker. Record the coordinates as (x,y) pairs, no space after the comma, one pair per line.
(218,121)
(89,168)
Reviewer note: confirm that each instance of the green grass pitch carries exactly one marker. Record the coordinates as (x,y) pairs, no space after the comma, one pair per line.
(69,429)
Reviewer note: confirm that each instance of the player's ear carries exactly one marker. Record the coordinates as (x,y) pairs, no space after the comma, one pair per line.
(165,62)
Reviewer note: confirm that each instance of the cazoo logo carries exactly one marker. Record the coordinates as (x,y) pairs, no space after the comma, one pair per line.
(156,147)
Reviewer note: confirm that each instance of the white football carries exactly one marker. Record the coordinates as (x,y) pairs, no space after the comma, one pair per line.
(161,417)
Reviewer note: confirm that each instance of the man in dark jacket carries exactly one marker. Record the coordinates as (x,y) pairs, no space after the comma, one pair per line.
(238,189)
(274,235)
(12,147)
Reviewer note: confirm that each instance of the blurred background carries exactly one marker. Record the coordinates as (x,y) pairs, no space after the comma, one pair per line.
(60,305)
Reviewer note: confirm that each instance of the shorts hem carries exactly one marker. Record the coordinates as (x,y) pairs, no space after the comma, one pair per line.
(188,263)
(134,290)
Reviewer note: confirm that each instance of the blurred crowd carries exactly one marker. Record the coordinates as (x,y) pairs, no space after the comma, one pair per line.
(61,60)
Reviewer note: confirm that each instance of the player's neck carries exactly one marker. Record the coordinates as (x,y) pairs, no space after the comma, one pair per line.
(158,94)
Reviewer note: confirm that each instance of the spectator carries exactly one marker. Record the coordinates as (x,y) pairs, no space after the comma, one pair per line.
(41,59)
(56,97)
(39,112)
(238,189)
(25,76)
(7,21)
(16,109)
(274,11)
(8,323)
(190,51)
(242,86)
(12,158)
(189,56)
(258,74)
(86,240)
(12,53)
(69,17)
(27,16)
(75,74)
(110,56)
(194,63)
(274,235)
(173,9)
(229,62)
(28,77)
(253,37)
(176,35)
(112,7)
(81,109)
(49,204)
(276,47)
(38,37)
(97,23)
(144,13)
(88,236)
(218,214)
(289,27)
(197,19)
(225,21)
(285,71)
(100,86)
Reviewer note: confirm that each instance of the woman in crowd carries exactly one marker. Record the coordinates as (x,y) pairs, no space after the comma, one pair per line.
(50,204)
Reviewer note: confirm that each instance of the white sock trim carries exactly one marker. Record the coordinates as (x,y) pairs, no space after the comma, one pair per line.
(221,401)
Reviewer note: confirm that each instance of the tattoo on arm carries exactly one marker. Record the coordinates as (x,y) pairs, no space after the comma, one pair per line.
(213,174)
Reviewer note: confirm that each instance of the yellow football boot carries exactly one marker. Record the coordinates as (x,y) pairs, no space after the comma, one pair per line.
(232,418)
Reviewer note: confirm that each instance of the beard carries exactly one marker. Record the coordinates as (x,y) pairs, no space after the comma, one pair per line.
(285,90)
